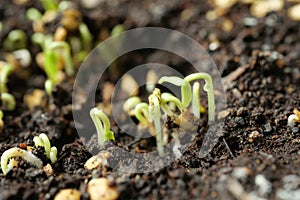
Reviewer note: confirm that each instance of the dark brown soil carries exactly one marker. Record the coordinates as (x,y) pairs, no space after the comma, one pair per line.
(259,100)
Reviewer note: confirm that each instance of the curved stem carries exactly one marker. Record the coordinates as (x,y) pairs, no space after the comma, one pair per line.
(102,125)
(208,87)
(13,152)
(155,115)
(186,90)
(169,98)
(8,101)
(141,112)
(66,55)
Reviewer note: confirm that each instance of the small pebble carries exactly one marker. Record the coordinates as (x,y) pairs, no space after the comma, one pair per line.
(241,173)
(250,21)
(68,194)
(100,188)
(48,170)
(263,184)
(96,161)
(294,12)
(223,114)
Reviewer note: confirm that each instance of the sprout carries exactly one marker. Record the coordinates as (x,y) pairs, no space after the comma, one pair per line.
(16,39)
(102,125)
(169,98)
(5,70)
(197,108)
(8,101)
(131,103)
(141,112)
(155,115)
(51,59)
(208,87)
(33,14)
(86,36)
(49,4)
(14,152)
(186,90)
(43,141)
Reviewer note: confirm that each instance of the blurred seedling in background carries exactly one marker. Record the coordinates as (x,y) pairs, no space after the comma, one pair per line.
(8,101)
(8,160)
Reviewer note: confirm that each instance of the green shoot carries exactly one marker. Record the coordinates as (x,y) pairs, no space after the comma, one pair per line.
(16,39)
(208,87)
(51,57)
(102,125)
(14,152)
(155,116)
(5,70)
(49,4)
(86,37)
(131,103)
(141,112)
(33,14)
(186,90)
(8,101)
(43,141)
(169,98)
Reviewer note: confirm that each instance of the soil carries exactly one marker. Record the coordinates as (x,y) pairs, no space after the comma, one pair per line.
(257,154)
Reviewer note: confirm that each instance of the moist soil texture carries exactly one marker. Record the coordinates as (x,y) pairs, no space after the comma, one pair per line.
(256,155)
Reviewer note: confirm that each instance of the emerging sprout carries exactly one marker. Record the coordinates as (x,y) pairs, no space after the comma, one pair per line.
(5,70)
(155,115)
(131,103)
(141,112)
(43,141)
(86,37)
(186,90)
(197,108)
(49,4)
(14,152)
(292,119)
(209,88)
(51,59)
(169,98)
(33,14)
(102,125)
(8,101)
(16,39)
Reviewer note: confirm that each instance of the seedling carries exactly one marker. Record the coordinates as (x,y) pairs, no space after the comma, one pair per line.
(102,125)
(209,88)
(8,101)
(17,152)
(5,70)
(43,141)
(16,39)
(131,103)
(51,59)
(169,98)
(155,115)
(186,90)
(292,119)
(49,4)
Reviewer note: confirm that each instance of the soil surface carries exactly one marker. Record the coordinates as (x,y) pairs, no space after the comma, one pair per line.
(257,155)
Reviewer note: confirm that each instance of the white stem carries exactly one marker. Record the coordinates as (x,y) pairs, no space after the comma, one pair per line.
(13,152)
